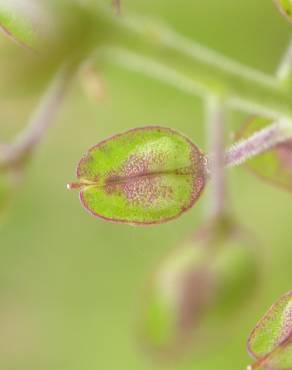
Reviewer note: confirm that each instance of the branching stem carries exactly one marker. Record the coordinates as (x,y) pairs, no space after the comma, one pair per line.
(155,69)
(244,88)
(161,53)
(40,121)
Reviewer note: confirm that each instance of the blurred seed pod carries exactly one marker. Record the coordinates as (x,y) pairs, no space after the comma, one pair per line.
(175,299)
(235,271)
(21,21)
(196,287)
(33,23)
(54,32)
(232,264)
(285,7)
(274,165)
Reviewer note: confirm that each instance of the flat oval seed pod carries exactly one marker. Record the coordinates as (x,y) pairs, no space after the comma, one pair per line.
(285,7)
(144,176)
(18,20)
(270,343)
(196,289)
(274,165)
(174,302)
(235,270)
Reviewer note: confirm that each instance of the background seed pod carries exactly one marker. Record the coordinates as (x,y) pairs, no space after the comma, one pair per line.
(236,273)
(195,289)
(233,265)
(285,7)
(174,301)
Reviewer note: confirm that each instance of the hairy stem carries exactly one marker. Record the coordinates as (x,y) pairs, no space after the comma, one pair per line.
(239,152)
(155,69)
(259,142)
(216,121)
(40,121)
(244,88)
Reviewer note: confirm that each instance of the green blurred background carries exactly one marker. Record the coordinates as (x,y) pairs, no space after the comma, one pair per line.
(70,285)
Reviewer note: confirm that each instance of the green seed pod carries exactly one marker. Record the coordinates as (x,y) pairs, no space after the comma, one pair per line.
(270,342)
(232,265)
(144,176)
(285,7)
(33,24)
(195,288)
(235,271)
(51,32)
(175,300)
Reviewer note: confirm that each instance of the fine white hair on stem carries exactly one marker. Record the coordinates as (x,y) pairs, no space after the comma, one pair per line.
(259,142)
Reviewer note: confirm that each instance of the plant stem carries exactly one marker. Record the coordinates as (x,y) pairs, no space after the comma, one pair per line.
(153,69)
(40,121)
(285,68)
(180,80)
(244,87)
(259,142)
(216,120)
(238,153)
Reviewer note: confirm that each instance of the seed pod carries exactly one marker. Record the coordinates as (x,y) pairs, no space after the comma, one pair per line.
(175,301)
(235,272)
(285,7)
(144,176)
(232,263)
(23,21)
(270,343)
(195,288)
